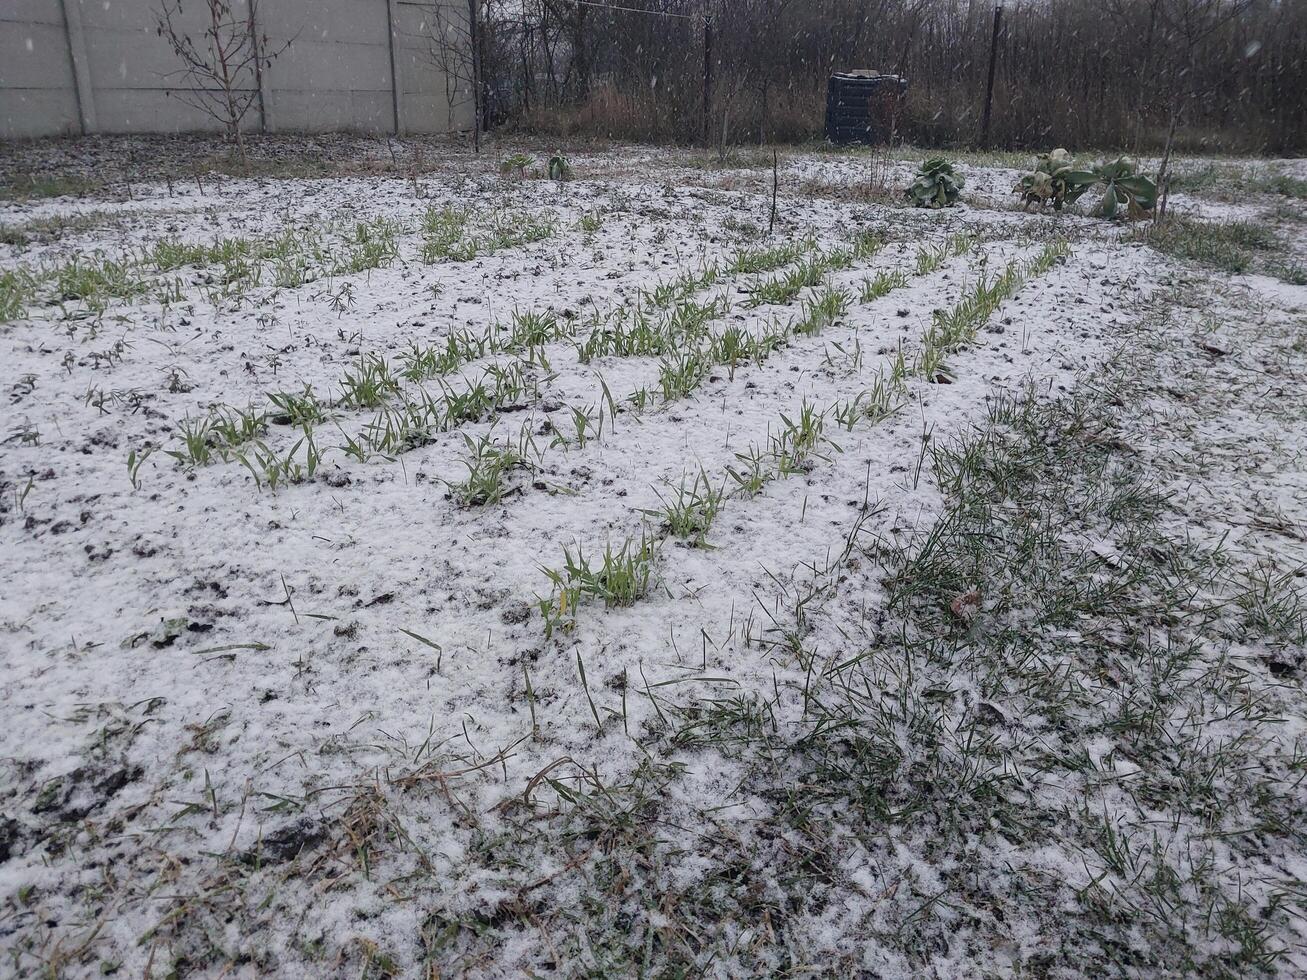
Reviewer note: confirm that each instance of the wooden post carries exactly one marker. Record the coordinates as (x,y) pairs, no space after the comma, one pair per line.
(707,78)
(989,86)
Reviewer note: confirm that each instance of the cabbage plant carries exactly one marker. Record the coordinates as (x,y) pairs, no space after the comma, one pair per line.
(936,185)
(1122,187)
(1056,181)
(1047,183)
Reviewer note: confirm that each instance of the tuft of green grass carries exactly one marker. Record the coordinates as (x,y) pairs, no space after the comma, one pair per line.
(800,439)
(956,328)
(882,284)
(196,448)
(23,187)
(1231,246)
(783,289)
(689,509)
(299,409)
(56,226)
(822,310)
(369,383)
(488,467)
(618,577)
(1294,273)
(448,235)
(96,279)
(763,258)
(1286,185)
(17,290)
(681,372)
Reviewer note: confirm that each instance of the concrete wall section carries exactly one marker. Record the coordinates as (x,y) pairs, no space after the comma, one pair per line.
(336,72)
(132,68)
(431,100)
(69,66)
(38,93)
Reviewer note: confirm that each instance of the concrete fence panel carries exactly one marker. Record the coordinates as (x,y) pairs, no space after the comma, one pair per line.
(70,66)
(38,93)
(432,100)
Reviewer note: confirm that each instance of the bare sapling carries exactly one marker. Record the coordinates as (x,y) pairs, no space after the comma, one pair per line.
(221,70)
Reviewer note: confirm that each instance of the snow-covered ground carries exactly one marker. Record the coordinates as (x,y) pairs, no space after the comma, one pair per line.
(298,702)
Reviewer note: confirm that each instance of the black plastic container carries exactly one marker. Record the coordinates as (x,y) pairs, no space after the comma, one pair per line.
(863,106)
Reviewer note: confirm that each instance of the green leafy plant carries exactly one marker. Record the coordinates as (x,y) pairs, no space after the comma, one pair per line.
(617,578)
(822,310)
(297,408)
(1047,183)
(1122,186)
(559,168)
(1056,181)
(17,289)
(517,163)
(936,185)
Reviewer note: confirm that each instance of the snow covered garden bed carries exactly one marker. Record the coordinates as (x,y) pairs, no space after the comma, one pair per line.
(466,574)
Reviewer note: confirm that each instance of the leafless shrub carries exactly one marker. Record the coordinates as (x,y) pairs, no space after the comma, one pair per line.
(221,70)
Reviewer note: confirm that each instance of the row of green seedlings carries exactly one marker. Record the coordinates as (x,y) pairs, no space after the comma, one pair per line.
(489,464)
(694,350)
(621,576)
(230,434)
(782,290)
(414,420)
(688,512)
(527,334)
(668,315)
(447,237)
(956,328)
(294,257)
(677,326)
(404,421)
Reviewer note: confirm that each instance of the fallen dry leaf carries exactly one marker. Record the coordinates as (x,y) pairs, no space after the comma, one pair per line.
(966,605)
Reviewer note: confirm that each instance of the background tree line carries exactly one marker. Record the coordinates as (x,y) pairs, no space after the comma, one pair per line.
(1220,74)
